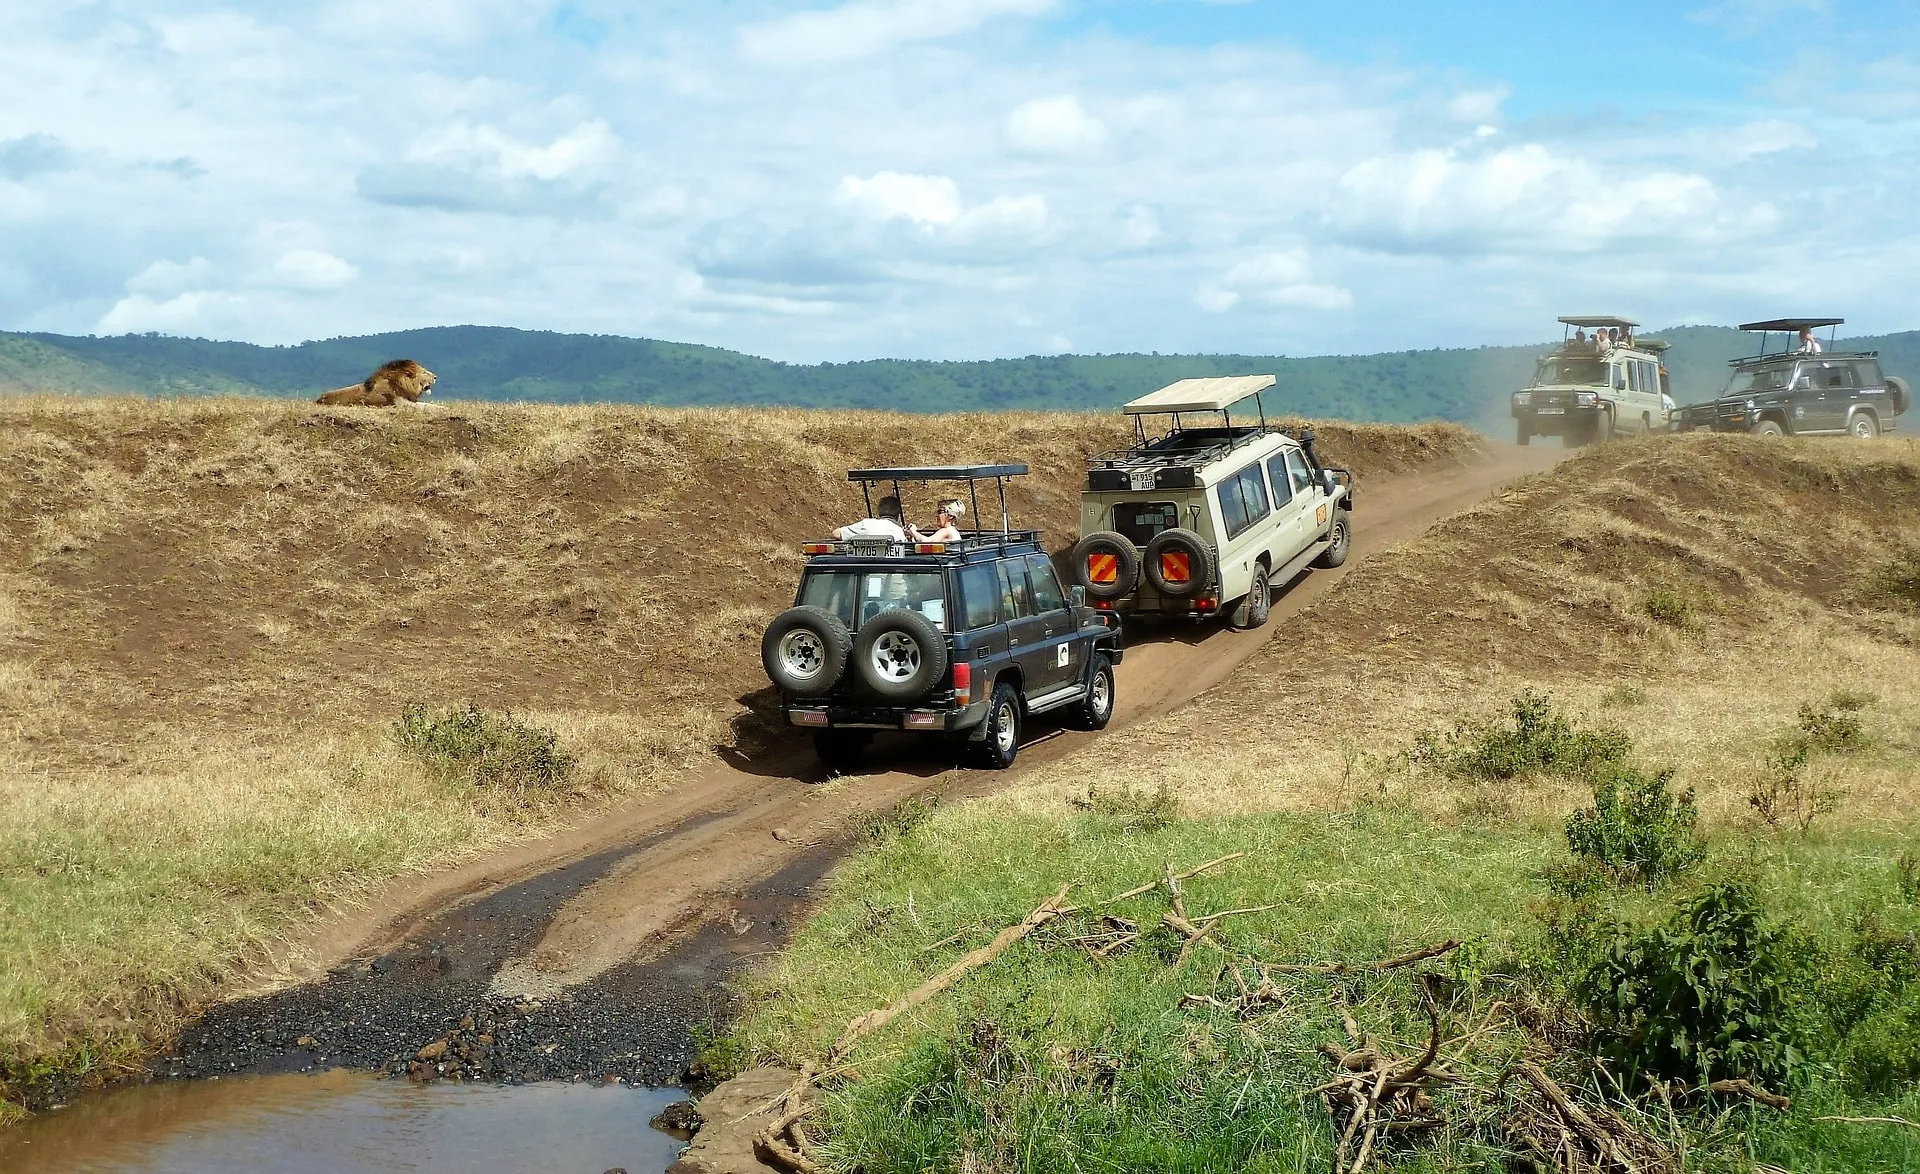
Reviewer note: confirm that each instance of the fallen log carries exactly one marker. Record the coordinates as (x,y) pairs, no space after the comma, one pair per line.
(1753,1092)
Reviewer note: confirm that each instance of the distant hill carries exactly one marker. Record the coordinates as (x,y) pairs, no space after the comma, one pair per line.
(503,364)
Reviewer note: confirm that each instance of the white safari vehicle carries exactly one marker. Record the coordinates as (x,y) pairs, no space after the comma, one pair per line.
(1591,388)
(1204,514)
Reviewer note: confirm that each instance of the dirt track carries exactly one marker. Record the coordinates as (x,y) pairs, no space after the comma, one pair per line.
(598,948)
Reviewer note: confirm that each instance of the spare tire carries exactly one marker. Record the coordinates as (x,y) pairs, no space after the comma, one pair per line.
(1900,393)
(1106,564)
(1176,552)
(900,654)
(804,651)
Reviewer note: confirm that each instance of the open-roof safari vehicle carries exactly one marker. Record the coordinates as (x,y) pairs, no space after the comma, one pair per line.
(1789,392)
(1592,387)
(1204,514)
(966,639)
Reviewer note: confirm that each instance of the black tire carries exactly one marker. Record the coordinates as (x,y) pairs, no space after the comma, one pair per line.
(842,751)
(900,655)
(1602,426)
(1179,541)
(1342,532)
(1255,605)
(1002,726)
(1768,427)
(1521,434)
(804,651)
(1097,710)
(1900,394)
(1126,564)
(1863,426)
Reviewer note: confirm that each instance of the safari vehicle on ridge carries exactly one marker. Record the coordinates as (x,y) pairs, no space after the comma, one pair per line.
(1206,516)
(1591,388)
(965,639)
(1790,392)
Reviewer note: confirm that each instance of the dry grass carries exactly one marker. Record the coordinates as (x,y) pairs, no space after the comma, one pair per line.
(1771,552)
(211,609)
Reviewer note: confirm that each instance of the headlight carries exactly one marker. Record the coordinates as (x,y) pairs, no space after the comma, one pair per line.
(1523,398)
(1585,398)
(1749,405)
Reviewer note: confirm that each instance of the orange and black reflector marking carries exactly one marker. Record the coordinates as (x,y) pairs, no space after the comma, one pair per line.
(1103,568)
(1176,566)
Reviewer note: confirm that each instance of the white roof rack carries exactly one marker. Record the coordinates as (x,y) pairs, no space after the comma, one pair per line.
(1199,395)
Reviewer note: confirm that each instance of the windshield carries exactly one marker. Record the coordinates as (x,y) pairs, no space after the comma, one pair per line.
(1571,369)
(1760,379)
(856,596)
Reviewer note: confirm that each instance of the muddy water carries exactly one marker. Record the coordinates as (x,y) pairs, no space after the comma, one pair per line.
(345,1122)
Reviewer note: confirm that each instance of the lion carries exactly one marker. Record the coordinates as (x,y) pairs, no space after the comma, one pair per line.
(402,379)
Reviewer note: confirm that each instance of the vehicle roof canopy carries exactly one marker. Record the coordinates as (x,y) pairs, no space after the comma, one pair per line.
(1199,395)
(936,473)
(1599,320)
(1792,325)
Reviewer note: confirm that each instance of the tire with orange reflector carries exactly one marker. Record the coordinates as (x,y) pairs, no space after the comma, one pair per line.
(1178,563)
(1107,565)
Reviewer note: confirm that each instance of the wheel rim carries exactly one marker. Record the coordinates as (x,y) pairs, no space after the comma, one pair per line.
(1340,537)
(1004,732)
(1863,428)
(802,654)
(1260,589)
(896,657)
(1102,693)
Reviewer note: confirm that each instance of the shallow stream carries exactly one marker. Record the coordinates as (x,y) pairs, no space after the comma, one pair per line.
(343,1123)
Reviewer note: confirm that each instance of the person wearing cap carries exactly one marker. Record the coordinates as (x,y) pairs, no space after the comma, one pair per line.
(887,525)
(947,514)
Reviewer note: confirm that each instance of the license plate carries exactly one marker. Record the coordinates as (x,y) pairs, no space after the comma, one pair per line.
(1141,482)
(1553,411)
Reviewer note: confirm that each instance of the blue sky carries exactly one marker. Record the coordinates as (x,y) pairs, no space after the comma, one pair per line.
(956,178)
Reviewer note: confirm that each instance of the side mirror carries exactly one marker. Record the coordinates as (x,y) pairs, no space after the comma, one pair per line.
(1079,595)
(1328,482)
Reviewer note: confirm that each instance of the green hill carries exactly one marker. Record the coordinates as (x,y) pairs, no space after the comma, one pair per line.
(503,364)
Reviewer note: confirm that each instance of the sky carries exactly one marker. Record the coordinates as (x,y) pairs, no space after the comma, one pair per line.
(957,178)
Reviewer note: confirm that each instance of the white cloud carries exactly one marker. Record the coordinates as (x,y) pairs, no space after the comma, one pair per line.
(925,200)
(166,279)
(196,313)
(467,167)
(1477,106)
(312,271)
(868,28)
(1283,278)
(1054,126)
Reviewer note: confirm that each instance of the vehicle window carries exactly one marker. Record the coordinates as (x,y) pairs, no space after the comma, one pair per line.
(1243,499)
(1837,376)
(858,596)
(1233,511)
(1139,521)
(1282,485)
(1047,595)
(1632,372)
(980,595)
(1297,470)
(1570,369)
(1619,376)
(1765,379)
(1866,373)
(1016,598)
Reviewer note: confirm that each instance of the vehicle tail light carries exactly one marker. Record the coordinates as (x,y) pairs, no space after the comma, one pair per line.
(923,720)
(1206,603)
(962,683)
(817,548)
(807,717)
(1103,604)
(930,548)
(1103,568)
(1176,566)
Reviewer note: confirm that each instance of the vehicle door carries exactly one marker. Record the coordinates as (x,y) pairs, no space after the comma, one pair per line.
(1311,498)
(1027,639)
(1870,390)
(1291,512)
(1245,534)
(981,633)
(1067,654)
(1833,396)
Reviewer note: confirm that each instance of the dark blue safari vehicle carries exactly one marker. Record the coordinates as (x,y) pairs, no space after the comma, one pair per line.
(964,639)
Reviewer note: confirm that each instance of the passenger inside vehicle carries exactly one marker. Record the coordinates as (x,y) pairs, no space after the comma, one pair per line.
(946,515)
(887,525)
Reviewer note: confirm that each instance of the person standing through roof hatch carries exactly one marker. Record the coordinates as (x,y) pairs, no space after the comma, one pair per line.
(948,515)
(1809,345)
(887,525)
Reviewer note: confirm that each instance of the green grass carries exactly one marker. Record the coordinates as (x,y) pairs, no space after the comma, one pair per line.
(1049,1060)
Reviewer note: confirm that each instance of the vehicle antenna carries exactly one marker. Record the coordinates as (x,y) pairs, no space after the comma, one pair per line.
(1006,526)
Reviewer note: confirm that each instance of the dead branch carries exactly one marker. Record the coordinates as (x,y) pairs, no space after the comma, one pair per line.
(1377,1094)
(1569,1137)
(1408,959)
(1753,1092)
(1189,874)
(1873,1121)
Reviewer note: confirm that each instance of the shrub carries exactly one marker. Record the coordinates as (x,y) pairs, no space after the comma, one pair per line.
(1701,998)
(1899,581)
(1906,876)
(1866,991)
(486,749)
(1539,741)
(905,817)
(1638,828)
(1136,810)
(1670,608)
(1831,728)
(1623,695)
(1783,796)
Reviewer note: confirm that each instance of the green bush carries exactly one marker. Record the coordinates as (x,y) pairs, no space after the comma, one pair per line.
(1670,608)
(486,749)
(1135,810)
(1702,998)
(1899,580)
(1638,829)
(1538,742)
(1866,992)
(905,817)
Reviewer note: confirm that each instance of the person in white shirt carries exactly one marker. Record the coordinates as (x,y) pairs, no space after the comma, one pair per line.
(948,513)
(1809,345)
(887,525)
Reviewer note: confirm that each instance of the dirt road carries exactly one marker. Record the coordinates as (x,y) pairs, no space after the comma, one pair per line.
(592,952)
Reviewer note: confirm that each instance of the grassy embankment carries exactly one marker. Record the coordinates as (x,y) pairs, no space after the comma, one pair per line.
(1692,595)
(212,612)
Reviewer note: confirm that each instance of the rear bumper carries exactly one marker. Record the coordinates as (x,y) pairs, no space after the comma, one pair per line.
(912,719)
